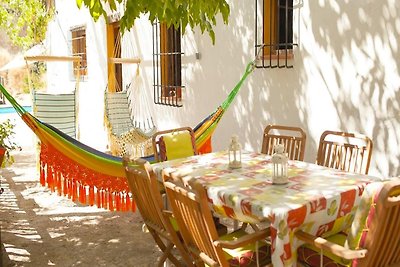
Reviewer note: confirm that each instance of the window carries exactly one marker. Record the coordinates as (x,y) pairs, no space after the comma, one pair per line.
(78,40)
(274,37)
(114,51)
(167,65)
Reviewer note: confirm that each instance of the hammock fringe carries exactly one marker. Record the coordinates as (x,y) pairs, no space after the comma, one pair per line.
(78,183)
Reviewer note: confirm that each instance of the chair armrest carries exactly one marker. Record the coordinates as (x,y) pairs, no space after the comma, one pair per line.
(326,245)
(244,240)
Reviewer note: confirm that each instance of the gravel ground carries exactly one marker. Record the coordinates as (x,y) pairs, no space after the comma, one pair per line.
(40,228)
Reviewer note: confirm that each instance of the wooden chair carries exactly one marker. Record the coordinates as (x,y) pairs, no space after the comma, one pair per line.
(293,138)
(345,151)
(195,221)
(144,187)
(379,241)
(174,143)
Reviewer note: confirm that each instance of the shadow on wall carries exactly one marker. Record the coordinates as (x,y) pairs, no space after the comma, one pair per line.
(267,96)
(345,77)
(355,55)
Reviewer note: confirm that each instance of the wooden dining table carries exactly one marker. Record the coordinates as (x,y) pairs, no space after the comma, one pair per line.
(318,200)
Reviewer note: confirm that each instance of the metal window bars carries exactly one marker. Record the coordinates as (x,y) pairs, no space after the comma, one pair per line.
(167,65)
(274,32)
(78,40)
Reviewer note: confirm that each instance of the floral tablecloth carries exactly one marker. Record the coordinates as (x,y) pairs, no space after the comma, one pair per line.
(318,200)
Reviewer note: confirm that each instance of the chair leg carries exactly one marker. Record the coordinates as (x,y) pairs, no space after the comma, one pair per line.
(255,227)
(199,263)
(184,253)
(158,240)
(167,251)
(168,255)
(165,255)
(235,225)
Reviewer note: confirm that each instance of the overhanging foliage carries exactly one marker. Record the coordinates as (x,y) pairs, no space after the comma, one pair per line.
(200,13)
(24,21)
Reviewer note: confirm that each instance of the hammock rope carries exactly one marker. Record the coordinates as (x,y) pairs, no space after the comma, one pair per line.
(139,105)
(92,177)
(204,130)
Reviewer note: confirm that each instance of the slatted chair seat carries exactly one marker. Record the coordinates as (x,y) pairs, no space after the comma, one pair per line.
(58,110)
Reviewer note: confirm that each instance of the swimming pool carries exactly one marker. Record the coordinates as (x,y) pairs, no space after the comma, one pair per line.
(6,110)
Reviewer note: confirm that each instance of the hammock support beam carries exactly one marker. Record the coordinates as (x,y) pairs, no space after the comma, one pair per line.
(53,58)
(116,60)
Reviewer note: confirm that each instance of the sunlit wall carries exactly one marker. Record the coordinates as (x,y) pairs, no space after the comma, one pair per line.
(345,76)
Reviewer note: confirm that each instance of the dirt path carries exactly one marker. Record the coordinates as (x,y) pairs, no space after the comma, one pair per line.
(40,228)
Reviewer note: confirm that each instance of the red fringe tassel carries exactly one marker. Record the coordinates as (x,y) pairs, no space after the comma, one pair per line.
(90,187)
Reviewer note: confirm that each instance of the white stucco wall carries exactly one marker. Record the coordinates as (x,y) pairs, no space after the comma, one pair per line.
(345,77)
(90,88)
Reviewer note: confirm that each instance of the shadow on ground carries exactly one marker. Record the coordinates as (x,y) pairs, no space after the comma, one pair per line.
(40,228)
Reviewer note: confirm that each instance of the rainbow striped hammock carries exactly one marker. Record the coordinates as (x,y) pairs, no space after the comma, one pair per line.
(92,177)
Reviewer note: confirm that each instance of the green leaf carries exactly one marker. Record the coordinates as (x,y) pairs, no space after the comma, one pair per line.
(24,21)
(201,13)
(113,6)
(212,36)
(225,11)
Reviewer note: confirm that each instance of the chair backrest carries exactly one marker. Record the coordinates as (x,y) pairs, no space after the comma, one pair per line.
(293,139)
(174,143)
(195,222)
(345,151)
(382,240)
(117,112)
(144,187)
(58,110)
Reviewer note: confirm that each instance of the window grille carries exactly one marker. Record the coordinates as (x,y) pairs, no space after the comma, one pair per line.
(167,65)
(117,54)
(78,40)
(274,35)
(115,72)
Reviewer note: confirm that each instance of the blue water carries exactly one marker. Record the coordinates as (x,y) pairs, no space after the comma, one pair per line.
(6,110)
